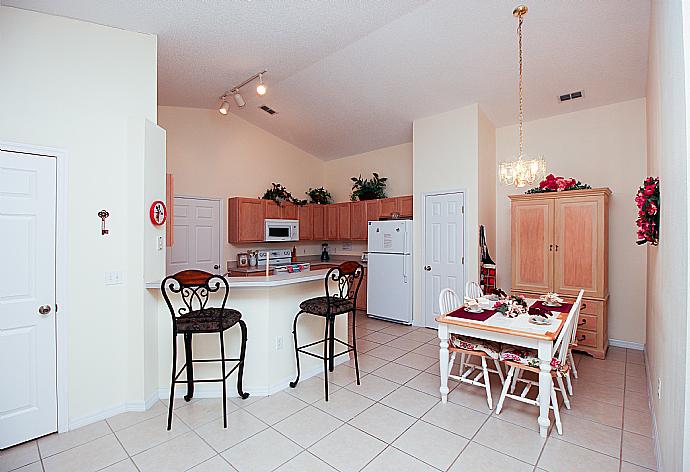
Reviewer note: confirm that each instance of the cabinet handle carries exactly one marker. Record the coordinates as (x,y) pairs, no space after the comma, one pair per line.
(584,305)
(582,323)
(582,338)
(556,247)
(550,247)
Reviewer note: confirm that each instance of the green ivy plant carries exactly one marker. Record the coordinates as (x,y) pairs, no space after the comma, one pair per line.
(279,194)
(368,189)
(319,196)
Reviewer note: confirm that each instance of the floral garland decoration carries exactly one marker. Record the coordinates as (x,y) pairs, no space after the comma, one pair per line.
(648,200)
(557,184)
(512,307)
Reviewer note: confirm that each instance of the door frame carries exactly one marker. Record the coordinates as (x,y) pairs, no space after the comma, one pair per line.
(463,191)
(222,216)
(61,265)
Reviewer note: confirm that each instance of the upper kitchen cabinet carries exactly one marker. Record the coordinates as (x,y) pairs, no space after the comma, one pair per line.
(405,205)
(273,211)
(358,221)
(332,218)
(373,210)
(245,219)
(289,211)
(344,232)
(305,215)
(318,218)
(401,205)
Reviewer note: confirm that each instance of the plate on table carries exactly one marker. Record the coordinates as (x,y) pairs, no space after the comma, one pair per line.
(554,304)
(540,320)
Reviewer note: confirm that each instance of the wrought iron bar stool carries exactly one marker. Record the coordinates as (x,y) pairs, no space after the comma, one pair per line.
(191,290)
(347,277)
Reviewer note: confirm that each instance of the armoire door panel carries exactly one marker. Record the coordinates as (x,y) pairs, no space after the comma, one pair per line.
(531,245)
(579,244)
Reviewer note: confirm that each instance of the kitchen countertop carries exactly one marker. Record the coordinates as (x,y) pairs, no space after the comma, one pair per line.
(313,260)
(270,281)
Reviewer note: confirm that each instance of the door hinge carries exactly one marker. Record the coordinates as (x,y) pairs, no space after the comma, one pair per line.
(463,209)
(463,260)
(56,308)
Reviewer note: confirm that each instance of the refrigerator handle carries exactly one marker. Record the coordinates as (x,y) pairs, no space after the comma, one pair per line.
(404,263)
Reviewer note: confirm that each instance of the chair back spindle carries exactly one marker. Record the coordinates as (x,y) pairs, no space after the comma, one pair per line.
(473,290)
(448,300)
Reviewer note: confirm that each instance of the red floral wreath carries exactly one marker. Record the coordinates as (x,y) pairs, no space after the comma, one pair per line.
(647,200)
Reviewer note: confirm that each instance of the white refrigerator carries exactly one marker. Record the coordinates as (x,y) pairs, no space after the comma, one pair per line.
(389,270)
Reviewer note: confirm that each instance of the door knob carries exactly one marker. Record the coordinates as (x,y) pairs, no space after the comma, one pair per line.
(216,266)
(44,309)
(427,268)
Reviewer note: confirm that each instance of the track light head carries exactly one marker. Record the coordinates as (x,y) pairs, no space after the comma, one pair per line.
(239,99)
(224,107)
(261,88)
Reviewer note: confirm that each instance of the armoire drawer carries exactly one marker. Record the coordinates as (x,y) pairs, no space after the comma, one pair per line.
(591,307)
(586,338)
(587,322)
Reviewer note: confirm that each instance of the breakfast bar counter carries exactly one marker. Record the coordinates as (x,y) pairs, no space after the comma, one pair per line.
(268,306)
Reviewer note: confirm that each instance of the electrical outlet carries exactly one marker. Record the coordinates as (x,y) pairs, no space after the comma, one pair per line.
(279,343)
(658,388)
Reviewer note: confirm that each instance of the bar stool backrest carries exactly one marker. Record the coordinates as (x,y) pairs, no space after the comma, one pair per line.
(189,290)
(348,278)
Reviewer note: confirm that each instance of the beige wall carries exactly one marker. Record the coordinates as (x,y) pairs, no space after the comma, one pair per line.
(487,178)
(74,86)
(667,264)
(218,156)
(603,147)
(394,162)
(445,150)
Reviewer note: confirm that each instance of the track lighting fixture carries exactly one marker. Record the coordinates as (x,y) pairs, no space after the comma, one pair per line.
(261,88)
(235,92)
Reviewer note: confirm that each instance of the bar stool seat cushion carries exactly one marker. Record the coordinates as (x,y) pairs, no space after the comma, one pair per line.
(319,305)
(207,320)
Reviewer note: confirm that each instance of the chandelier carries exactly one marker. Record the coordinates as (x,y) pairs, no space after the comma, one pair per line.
(521,171)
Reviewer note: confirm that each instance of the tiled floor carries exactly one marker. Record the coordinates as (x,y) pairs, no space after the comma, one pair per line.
(392,421)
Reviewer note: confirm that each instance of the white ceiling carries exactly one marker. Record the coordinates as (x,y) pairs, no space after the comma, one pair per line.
(350,76)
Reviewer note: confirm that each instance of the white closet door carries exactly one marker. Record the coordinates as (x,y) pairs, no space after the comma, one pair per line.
(28,397)
(196,235)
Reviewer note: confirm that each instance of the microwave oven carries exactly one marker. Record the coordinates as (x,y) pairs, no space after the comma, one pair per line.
(281,230)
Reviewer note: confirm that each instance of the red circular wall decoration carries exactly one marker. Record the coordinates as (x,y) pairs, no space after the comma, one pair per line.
(158,213)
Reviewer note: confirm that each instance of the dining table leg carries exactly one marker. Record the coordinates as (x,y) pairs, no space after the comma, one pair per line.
(545,382)
(443,360)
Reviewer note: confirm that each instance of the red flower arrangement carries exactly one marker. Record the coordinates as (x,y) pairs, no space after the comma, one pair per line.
(553,183)
(647,199)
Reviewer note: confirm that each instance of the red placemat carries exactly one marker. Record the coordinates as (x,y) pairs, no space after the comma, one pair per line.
(462,313)
(564,308)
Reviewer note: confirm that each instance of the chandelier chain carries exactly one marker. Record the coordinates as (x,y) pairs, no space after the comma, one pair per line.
(520,117)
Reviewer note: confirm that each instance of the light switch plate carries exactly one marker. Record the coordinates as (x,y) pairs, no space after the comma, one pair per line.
(159,243)
(113,277)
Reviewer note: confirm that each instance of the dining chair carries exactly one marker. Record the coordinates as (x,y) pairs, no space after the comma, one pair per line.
(519,360)
(573,344)
(473,290)
(467,347)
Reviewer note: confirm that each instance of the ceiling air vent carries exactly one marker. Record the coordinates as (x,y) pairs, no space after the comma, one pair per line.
(268,110)
(571,96)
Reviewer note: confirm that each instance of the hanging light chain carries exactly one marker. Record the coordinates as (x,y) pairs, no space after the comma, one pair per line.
(520,117)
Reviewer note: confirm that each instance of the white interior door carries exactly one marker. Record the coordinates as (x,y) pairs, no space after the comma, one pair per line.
(196,235)
(444,250)
(28,397)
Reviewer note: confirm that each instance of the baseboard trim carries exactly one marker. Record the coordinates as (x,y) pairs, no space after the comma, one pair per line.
(138,405)
(626,344)
(655,430)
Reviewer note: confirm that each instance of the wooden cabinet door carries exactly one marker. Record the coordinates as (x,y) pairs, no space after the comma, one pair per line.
(245,220)
(318,222)
(273,211)
(405,205)
(388,206)
(373,210)
(332,222)
(289,211)
(344,221)
(358,221)
(306,227)
(579,235)
(532,246)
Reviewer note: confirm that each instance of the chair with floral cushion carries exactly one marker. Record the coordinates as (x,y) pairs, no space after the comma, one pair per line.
(519,359)
(468,347)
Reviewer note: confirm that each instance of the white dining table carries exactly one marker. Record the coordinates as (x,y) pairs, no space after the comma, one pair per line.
(517,331)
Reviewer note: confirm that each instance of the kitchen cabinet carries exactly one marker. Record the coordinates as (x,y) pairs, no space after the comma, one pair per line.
(358,221)
(373,210)
(289,211)
(332,218)
(318,218)
(344,221)
(272,210)
(405,205)
(559,243)
(388,206)
(245,220)
(306,225)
